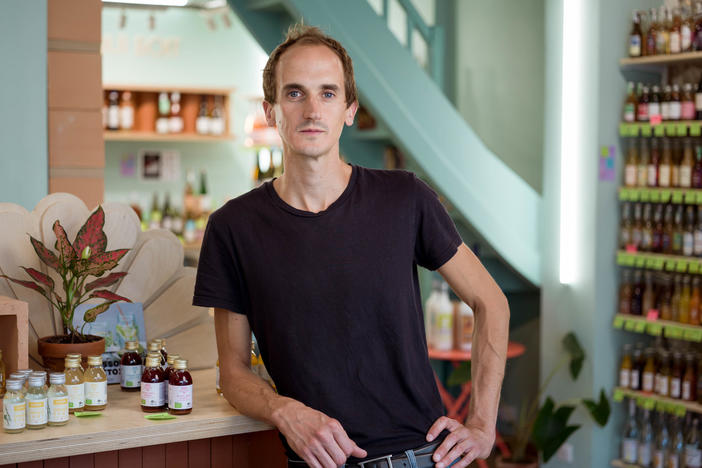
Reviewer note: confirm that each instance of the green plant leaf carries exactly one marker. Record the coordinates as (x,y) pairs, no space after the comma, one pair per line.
(555,443)
(63,245)
(91,234)
(45,255)
(576,352)
(551,427)
(599,411)
(91,314)
(460,374)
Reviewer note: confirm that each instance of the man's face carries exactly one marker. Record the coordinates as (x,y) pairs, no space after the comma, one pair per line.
(310,111)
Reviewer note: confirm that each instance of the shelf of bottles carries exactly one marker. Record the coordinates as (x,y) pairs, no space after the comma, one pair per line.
(143,113)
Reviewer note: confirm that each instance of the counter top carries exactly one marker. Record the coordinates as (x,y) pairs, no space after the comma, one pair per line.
(122,425)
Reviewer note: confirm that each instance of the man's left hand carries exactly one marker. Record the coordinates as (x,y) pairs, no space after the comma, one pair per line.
(464,442)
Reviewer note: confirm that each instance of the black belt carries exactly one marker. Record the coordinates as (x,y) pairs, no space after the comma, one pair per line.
(422,456)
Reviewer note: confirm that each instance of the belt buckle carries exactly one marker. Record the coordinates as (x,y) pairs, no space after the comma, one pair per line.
(387,458)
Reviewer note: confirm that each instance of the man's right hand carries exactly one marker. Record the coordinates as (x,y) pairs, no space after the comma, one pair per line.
(319,440)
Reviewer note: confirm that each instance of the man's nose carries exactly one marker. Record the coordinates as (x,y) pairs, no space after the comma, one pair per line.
(312,109)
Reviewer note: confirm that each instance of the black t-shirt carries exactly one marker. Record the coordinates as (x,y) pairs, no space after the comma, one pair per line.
(334,301)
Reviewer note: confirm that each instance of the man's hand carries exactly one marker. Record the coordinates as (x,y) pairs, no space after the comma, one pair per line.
(464,442)
(318,439)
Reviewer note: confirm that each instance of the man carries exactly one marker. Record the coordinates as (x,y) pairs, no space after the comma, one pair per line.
(321,264)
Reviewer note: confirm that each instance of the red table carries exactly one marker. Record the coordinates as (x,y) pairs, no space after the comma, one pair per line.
(457,408)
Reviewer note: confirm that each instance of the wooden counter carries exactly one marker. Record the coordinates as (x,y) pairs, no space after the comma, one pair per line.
(122,426)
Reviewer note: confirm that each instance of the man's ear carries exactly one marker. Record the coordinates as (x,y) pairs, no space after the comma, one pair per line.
(351,113)
(269,112)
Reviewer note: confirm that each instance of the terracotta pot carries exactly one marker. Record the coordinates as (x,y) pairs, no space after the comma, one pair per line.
(500,463)
(53,354)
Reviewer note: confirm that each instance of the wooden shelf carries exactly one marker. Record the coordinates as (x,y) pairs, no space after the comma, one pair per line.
(670,329)
(120,135)
(166,88)
(652,401)
(671,128)
(661,60)
(661,195)
(656,261)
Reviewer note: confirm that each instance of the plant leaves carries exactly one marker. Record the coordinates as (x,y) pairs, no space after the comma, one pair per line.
(99,263)
(551,427)
(599,411)
(40,277)
(91,234)
(27,284)
(63,246)
(576,352)
(108,280)
(105,294)
(45,255)
(460,374)
(91,314)
(554,444)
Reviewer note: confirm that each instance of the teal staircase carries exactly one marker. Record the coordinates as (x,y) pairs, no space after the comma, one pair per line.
(491,204)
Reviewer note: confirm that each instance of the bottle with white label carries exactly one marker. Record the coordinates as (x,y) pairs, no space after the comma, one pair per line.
(662,444)
(430,320)
(676,456)
(630,440)
(130,368)
(126,111)
(180,389)
(95,385)
(58,399)
(645,448)
(74,385)
(443,331)
(153,386)
(697,251)
(625,367)
(14,407)
(37,405)
(693,450)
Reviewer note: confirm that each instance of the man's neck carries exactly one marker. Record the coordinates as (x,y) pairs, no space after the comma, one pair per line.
(311,184)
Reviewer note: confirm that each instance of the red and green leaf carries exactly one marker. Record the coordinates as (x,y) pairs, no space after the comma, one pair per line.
(109,295)
(45,255)
(40,277)
(63,245)
(99,263)
(108,280)
(27,284)
(91,234)
(91,314)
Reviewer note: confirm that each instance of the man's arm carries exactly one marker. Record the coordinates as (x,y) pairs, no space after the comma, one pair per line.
(318,439)
(474,285)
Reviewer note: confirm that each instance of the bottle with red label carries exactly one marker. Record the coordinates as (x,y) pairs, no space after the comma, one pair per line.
(642,107)
(130,368)
(153,386)
(687,104)
(180,389)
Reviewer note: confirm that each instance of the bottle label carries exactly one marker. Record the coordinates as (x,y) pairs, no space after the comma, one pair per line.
(202,125)
(674,110)
(685,176)
(217,126)
(654,110)
(688,244)
(126,117)
(652,173)
(664,175)
(630,175)
(698,242)
(36,412)
(645,454)
(96,393)
(58,409)
(659,459)
(642,114)
(14,415)
(693,457)
(642,175)
(624,378)
(698,101)
(76,396)
(685,37)
(629,449)
(648,381)
(687,110)
(629,112)
(665,110)
(180,396)
(663,386)
(130,376)
(113,117)
(635,45)
(675,388)
(686,391)
(153,394)
(674,42)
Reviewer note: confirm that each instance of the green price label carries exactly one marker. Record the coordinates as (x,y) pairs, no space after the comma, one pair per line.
(677,196)
(655,329)
(698,198)
(618,395)
(640,327)
(646,130)
(670,265)
(629,325)
(695,129)
(618,322)
(658,130)
(649,403)
(690,196)
(658,264)
(644,195)
(634,130)
(670,129)
(623,194)
(665,196)
(693,267)
(650,262)
(639,261)
(693,335)
(629,260)
(623,129)
(681,130)
(681,266)
(620,258)
(680,410)
(655,196)
(673,332)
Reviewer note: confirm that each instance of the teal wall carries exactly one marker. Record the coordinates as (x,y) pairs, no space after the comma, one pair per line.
(499,79)
(23,102)
(224,57)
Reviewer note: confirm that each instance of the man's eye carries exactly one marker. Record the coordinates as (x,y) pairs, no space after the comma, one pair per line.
(294,94)
(328,94)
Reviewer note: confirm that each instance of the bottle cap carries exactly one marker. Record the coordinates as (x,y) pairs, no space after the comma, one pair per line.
(131,345)
(163,342)
(72,363)
(18,376)
(25,371)
(180,364)
(36,381)
(171,359)
(153,361)
(40,374)
(57,378)
(95,361)
(14,384)
(73,356)
(154,346)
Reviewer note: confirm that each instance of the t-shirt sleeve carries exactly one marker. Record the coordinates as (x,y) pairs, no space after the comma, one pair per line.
(437,239)
(218,282)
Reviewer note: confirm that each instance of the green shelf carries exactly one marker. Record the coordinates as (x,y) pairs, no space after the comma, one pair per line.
(659,403)
(674,330)
(672,129)
(660,262)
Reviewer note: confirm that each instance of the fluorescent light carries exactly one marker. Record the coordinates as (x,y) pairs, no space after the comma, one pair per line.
(173,3)
(572,104)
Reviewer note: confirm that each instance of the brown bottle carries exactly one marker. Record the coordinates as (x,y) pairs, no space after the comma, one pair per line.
(663,374)
(636,37)
(689,387)
(648,301)
(180,389)
(637,369)
(130,368)
(153,386)
(676,376)
(625,290)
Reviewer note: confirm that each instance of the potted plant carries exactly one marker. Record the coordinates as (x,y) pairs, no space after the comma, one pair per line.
(541,430)
(81,266)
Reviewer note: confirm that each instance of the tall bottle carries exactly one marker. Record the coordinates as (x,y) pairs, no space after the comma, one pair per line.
(697,168)
(130,368)
(74,385)
(676,456)
(649,372)
(675,105)
(676,376)
(686,165)
(697,33)
(687,28)
(654,106)
(175,121)
(642,114)
(675,32)
(652,33)
(698,94)
(113,111)
(443,333)
(126,111)
(684,316)
(645,448)
(666,165)
(689,232)
(687,103)
(635,36)
(663,38)
(630,103)
(662,443)
(155,216)
(95,385)
(693,452)
(630,438)
(57,399)
(698,233)
(167,220)
(689,385)
(429,313)
(625,227)
(695,302)
(164,113)
(678,230)
(202,123)
(668,230)
(644,161)
(631,165)
(625,367)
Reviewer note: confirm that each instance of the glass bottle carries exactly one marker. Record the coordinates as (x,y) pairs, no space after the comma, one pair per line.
(202,123)
(663,38)
(663,374)
(662,443)
(687,29)
(154,346)
(625,367)
(14,408)
(630,439)
(42,375)
(697,168)
(170,361)
(164,353)
(2,375)
(130,368)
(625,291)
(675,39)
(676,376)
(637,294)
(693,454)
(664,299)
(648,301)
(675,166)
(649,372)
(666,164)
(645,447)
(77,357)
(630,103)
(676,457)
(164,113)
(654,163)
(113,111)
(642,114)
(180,389)
(654,105)
(689,232)
(684,316)
(637,228)
(625,227)
(153,386)
(657,239)
(637,369)
(687,103)
(688,161)
(175,122)
(126,111)
(695,302)
(22,378)
(647,230)
(665,102)
(675,300)
(678,230)
(668,230)
(74,385)
(37,407)
(698,233)
(697,34)
(58,399)
(698,97)
(95,385)
(675,109)
(689,386)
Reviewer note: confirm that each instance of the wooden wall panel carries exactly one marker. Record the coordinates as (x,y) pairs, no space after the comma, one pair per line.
(64,22)
(199,452)
(57,463)
(82,461)
(75,80)
(130,458)
(33,464)
(75,139)
(154,456)
(221,452)
(89,189)
(107,459)
(177,455)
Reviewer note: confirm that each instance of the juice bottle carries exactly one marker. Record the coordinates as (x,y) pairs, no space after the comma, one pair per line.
(155,347)
(153,386)
(180,389)
(58,399)
(168,370)
(164,353)
(689,387)
(37,404)
(649,372)
(625,367)
(74,385)
(676,376)
(664,375)
(130,368)
(14,408)
(78,357)
(695,302)
(95,385)
(684,316)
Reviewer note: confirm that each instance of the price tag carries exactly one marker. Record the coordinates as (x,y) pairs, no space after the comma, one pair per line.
(695,129)
(658,264)
(618,321)
(644,195)
(680,410)
(698,198)
(655,329)
(623,129)
(629,325)
(658,130)
(681,130)
(634,130)
(655,196)
(670,265)
(640,327)
(690,196)
(630,260)
(649,403)
(693,267)
(652,315)
(677,196)
(665,196)
(645,130)
(618,395)
(673,332)
(661,406)
(620,258)
(693,335)
(623,194)
(640,261)
(650,262)
(669,129)
(681,266)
